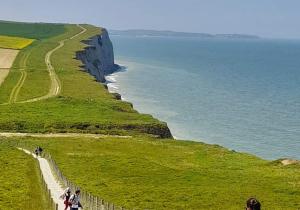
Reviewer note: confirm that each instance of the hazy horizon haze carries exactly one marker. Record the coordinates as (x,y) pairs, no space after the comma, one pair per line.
(266,18)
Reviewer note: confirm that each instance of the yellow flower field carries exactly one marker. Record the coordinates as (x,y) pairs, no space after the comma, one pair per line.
(14,42)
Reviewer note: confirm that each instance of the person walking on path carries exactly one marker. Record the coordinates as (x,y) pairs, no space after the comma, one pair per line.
(40,150)
(74,201)
(36,151)
(66,197)
(252,204)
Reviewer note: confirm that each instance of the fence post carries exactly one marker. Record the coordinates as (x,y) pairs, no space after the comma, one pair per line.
(102,204)
(49,192)
(93,202)
(96,203)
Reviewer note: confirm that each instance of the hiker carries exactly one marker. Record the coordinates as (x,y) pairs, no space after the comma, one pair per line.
(40,150)
(74,201)
(36,151)
(252,204)
(66,197)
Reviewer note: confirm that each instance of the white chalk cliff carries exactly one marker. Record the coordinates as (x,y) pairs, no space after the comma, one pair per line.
(98,56)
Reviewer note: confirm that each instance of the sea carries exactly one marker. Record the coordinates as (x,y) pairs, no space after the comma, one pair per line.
(243,94)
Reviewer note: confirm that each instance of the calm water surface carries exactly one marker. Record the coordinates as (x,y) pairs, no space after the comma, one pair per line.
(241,94)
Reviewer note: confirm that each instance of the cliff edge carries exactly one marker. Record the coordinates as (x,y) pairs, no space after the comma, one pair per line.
(98,56)
(98,60)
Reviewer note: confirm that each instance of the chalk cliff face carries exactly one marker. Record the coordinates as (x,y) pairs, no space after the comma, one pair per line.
(98,56)
(98,60)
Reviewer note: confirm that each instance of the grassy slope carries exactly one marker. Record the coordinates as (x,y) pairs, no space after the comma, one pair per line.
(168,174)
(31,59)
(84,104)
(14,42)
(138,172)
(38,82)
(30,30)
(20,186)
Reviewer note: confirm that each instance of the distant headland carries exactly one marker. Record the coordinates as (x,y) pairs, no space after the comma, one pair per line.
(157,33)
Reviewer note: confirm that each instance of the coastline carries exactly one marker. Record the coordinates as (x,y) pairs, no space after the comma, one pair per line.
(114,88)
(110,81)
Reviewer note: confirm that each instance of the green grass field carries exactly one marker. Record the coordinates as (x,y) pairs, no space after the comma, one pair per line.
(140,172)
(30,30)
(20,186)
(14,42)
(150,173)
(84,105)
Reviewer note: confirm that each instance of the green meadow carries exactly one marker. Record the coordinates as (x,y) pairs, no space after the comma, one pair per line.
(31,30)
(149,173)
(20,180)
(145,171)
(83,105)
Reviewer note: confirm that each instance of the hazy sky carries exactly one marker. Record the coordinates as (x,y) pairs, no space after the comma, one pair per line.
(268,18)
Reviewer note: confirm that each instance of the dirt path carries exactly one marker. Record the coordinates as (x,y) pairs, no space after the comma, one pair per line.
(60,135)
(53,185)
(82,32)
(15,91)
(55,87)
(55,82)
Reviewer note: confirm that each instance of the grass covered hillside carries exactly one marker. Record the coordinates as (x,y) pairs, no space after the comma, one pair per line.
(30,30)
(145,173)
(82,105)
(20,186)
(48,91)
(14,42)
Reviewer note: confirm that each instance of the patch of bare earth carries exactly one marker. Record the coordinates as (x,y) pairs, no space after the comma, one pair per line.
(3,74)
(7,57)
(286,162)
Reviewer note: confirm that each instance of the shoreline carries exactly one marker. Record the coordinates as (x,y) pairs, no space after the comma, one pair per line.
(111,80)
(107,74)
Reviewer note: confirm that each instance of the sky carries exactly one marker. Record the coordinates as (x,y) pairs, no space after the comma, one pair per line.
(266,18)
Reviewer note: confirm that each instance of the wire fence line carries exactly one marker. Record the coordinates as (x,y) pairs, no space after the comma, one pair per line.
(88,200)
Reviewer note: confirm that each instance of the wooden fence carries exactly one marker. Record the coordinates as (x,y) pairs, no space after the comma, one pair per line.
(88,200)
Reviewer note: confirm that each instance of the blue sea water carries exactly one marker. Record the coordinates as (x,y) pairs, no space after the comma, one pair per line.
(241,94)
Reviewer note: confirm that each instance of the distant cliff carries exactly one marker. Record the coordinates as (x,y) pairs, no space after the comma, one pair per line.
(98,56)
(154,33)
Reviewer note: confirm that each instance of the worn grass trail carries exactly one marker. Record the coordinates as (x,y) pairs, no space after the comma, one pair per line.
(55,87)
(15,91)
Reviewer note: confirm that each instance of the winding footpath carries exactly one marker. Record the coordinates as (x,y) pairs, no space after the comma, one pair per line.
(15,91)
(52,184)
(55,87)
(55,82)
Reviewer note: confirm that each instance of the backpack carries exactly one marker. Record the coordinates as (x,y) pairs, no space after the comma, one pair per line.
(72,199)
(70,202)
